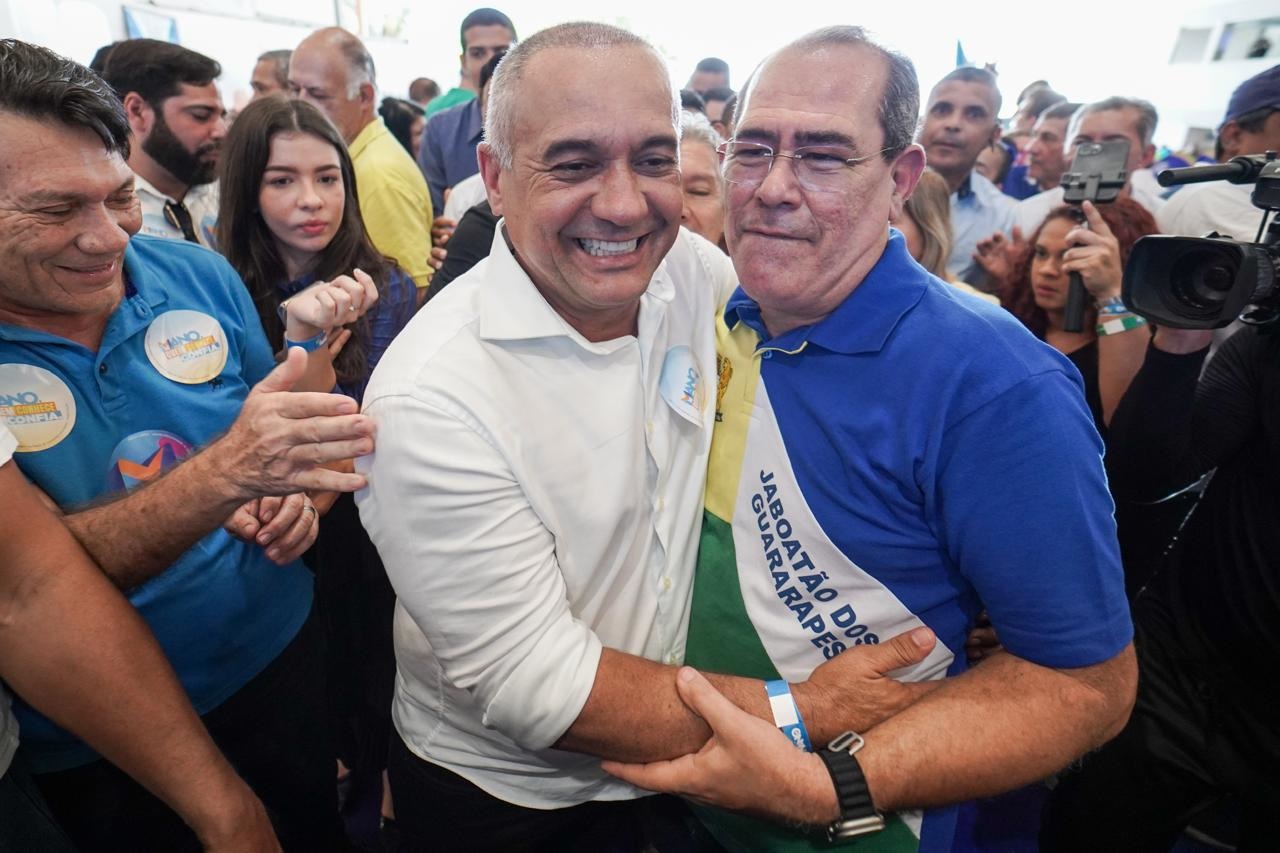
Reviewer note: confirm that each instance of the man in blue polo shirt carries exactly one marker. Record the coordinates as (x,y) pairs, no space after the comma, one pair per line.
(448,152)
(890,456)
(121,356)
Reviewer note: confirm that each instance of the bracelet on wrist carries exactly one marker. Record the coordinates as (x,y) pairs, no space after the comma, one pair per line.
(1112,306)
(786,716)
(1118,325)
(310,344)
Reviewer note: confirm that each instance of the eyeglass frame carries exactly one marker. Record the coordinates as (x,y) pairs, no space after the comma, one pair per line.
(795,156)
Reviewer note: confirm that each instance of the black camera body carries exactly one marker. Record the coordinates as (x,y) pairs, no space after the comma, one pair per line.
(1208,282)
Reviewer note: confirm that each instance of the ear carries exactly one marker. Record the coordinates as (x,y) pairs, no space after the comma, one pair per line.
(1229,136)
(490,171)
(368,96)
(995,134)
(905,171)
(141,115)
(1148,156)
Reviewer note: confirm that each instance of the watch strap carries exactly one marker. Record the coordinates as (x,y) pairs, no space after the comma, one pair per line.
(858,815)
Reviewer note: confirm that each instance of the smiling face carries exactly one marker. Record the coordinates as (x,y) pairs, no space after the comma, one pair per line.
(67,211)
(302,198)
(960,120)
(797,252)
(592,200)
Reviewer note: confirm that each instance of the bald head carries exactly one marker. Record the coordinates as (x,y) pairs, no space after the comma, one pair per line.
(631,58)
(332,70)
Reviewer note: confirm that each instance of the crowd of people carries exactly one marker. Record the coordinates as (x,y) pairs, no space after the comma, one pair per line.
(566,462)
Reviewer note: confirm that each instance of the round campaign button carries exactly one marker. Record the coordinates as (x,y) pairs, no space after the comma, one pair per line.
(36,405)
(186,346)
(143,456)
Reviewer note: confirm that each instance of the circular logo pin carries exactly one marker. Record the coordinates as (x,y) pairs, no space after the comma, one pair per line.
(36,405)
(143,456)
(186,346)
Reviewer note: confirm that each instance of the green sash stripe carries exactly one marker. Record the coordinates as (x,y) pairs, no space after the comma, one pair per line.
(721,636)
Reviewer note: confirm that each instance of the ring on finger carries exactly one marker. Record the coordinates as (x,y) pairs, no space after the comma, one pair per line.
(311,509)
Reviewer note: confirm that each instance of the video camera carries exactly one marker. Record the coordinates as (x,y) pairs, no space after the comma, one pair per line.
(1207,282)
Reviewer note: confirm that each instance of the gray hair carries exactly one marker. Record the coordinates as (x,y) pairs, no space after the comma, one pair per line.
(280,59)
(695,127)
(504,87)
(1147,116)
(360,68)
(900,103)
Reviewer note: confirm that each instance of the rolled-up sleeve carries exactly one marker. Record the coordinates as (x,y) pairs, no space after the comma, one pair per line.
(476,568)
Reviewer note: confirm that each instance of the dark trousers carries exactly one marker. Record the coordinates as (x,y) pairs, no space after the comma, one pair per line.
(1195,736)
(25,821)
(437,810)
(273,731)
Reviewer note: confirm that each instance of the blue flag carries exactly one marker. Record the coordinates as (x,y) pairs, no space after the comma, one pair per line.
(961,60)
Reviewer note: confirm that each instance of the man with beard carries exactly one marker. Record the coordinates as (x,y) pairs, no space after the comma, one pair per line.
(178,122)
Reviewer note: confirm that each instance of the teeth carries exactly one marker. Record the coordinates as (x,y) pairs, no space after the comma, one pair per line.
(600,248)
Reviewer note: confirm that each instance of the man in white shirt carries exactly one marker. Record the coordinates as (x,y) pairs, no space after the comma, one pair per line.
(1251,126)
(178,123)
(545,427)
(1130,119)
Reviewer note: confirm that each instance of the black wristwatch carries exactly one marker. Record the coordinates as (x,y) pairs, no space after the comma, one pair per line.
(858,815)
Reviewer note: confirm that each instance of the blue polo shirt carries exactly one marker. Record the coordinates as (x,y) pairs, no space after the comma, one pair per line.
(177,359)
(448,152)
(911,459)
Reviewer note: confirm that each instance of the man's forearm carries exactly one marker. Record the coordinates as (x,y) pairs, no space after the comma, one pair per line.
(1005,723)
(634,712)
(180,507)
(76,651)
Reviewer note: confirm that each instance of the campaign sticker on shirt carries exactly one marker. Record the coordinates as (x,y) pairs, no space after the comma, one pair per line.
(143,456)
(36,405)
(186,346)
(681,384)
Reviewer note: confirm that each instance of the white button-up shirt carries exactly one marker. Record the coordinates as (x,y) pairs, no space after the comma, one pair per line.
(536,497)
(201,201)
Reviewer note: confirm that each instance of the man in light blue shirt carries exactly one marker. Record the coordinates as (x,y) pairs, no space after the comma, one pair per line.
(960,120)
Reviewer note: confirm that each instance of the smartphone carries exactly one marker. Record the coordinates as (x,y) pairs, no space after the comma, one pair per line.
(1097,173)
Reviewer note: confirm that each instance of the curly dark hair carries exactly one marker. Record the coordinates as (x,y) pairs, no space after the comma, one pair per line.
(1127,220)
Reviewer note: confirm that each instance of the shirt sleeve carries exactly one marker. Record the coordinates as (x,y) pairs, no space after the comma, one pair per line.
(1026,516)
(476,569)
(432,160)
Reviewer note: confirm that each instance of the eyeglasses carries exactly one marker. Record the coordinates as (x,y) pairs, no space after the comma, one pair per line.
(818,168)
